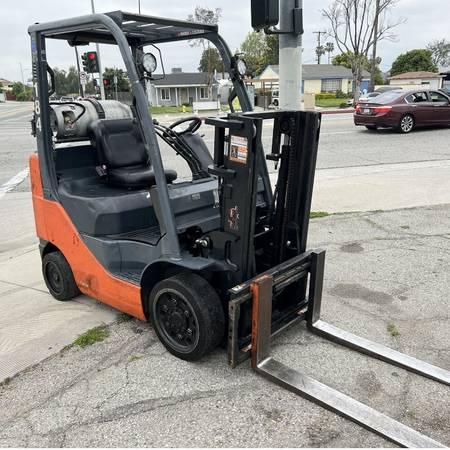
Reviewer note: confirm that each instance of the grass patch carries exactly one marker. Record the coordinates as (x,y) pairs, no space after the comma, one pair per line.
(318,214)
(97,334)
(135,357)
(392,329)
(122,317)
(330,102)
(169,109)
(5,382)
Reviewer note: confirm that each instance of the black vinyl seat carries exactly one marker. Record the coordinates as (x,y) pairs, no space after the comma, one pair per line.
(122,154)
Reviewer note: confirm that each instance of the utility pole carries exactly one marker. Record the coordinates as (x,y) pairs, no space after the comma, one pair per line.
(139,6)
(374,48)
(102,86)
(21,71)
(79,71)
(319,44)
(290,57)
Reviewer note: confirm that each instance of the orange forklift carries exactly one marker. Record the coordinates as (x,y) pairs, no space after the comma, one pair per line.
(220,258)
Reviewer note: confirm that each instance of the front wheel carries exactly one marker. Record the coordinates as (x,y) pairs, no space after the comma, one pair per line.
(58,277)
(187,316)
(407,124)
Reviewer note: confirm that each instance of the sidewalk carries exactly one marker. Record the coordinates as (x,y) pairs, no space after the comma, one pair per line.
(387,279)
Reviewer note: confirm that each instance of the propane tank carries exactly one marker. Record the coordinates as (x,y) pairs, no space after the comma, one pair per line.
(71,120)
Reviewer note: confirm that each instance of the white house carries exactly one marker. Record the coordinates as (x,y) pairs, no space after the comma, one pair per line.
(317,78)
(417,80)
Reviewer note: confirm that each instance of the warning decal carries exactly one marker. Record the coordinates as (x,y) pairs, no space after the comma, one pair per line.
(238,149)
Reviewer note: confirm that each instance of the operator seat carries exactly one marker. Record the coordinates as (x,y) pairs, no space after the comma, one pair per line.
(122,154)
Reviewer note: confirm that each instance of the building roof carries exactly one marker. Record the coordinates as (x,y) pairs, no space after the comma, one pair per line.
(3,81)
(415,75)
(182,79)
(322,71)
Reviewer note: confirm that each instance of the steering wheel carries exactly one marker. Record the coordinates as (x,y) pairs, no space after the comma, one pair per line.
(194,125)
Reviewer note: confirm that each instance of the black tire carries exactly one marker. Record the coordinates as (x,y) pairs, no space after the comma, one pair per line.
(275,103)
(187,316)
(407,124)
(58,277)
(371,127)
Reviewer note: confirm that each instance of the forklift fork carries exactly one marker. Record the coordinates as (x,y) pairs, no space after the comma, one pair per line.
(261,289)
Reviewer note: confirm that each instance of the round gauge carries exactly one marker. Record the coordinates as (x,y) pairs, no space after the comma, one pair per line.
(241,67)
(149,63)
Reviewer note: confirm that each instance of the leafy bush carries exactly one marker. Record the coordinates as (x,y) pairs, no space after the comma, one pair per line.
(343,105)
(325,95)
(340,94)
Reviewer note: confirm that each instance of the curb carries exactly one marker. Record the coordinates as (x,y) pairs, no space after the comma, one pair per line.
(338,111)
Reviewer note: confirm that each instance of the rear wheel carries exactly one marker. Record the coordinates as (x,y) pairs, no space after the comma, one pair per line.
(58,276)
(371,127)
(407,124)
(187,315)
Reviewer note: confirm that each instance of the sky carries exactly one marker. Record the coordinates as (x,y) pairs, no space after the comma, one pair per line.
(425,21)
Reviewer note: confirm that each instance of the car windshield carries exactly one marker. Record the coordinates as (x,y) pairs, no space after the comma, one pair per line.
(386,97)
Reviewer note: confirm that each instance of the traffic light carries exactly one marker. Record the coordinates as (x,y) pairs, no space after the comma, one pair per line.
(106,82)
(265,13)
(90,62)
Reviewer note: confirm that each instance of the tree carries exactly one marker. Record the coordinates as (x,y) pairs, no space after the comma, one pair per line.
(440,52)
(1,88)
(66,82)
(208,17)
(414,61)
(211,61)
(21,92)
(259,51)
(355,25)
(123,84)
(344,59)
(329,48)
(320,51)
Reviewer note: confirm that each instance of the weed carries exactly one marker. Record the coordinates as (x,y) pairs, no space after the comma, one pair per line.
(97,334)
(392,329)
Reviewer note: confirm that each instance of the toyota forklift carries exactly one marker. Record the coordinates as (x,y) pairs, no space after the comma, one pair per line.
(219,259)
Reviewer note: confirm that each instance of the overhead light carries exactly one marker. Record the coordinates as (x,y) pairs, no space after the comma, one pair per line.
(149,63)
(241,67)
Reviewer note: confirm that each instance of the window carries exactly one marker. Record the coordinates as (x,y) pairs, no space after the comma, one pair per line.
(438,98)
(331,85)
(165,94)
(204,93)
(417,97)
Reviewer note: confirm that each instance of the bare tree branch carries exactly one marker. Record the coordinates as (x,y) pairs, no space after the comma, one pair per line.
(352,26)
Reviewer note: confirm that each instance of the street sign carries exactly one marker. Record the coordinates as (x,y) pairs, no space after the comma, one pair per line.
(115,80)
(83,78)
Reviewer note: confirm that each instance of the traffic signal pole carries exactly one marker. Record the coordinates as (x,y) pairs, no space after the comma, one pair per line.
(290,57)
(79,71)
(102,87)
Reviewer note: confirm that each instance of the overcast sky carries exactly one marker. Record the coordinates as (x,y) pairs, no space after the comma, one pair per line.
(426,20)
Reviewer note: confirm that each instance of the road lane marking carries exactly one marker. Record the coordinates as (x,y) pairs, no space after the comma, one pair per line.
(13,182)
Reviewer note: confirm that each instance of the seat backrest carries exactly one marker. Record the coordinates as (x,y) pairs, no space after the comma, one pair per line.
(119,143)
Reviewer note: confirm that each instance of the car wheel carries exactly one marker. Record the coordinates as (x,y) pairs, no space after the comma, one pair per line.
(407,124)
(58,277)
(187,316)
(275,103)
(371,127)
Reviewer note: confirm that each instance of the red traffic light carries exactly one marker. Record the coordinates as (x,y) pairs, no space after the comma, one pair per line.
(92,55)
(105,82)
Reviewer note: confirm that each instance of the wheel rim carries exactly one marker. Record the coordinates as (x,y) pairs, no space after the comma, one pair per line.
(176,320)
(54,277)
(407,124)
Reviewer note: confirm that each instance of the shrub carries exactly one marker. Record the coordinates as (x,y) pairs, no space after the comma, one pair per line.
(340,94)
(325,95)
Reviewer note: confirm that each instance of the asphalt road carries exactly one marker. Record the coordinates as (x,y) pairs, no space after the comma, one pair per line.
(341,144)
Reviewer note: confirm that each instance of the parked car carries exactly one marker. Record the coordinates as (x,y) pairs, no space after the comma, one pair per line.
(404,110)
(66,98)
(275,98)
